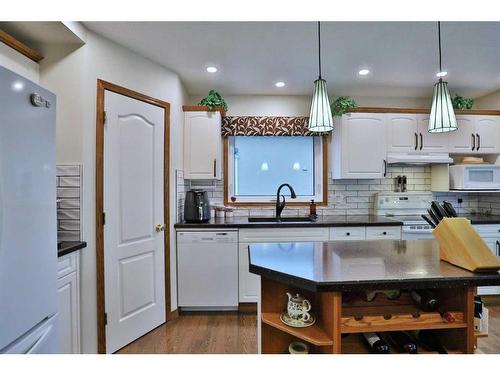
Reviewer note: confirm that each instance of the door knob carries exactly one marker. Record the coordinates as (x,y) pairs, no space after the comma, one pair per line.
(160,227)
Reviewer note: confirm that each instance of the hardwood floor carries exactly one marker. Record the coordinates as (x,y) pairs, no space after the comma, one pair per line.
(215,333)
(233,333)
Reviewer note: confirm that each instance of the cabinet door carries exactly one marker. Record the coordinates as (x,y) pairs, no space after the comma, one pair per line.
(363,146)
(249,283)
(487,134)
(430,142)
(462,140)
(69,314)
(401,130)
(202,145)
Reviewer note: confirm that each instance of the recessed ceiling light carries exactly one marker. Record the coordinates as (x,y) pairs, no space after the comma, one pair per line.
(211,69)
(441,74)
(279,84)
(363,72)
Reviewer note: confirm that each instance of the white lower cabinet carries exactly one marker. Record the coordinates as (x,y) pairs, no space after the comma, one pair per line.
(249,284)
(383,233)
(365,233)
(68,291)
(490,233)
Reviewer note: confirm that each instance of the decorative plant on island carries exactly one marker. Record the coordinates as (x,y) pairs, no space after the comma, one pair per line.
(213,100)
(342,104)
(459,102)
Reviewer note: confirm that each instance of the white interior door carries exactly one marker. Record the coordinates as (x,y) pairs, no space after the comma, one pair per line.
(133,203)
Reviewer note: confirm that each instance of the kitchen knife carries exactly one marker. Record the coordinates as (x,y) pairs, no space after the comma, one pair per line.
(433,216)
(448,207)
(438,210)
(429,221)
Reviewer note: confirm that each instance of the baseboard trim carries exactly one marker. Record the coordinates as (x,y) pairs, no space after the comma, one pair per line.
(247,307)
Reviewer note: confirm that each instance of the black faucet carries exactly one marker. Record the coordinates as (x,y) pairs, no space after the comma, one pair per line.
(280,204)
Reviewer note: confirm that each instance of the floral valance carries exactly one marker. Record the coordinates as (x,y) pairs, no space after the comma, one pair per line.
(266,126)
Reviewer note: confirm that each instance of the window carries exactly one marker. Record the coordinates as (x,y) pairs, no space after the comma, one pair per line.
(258,165)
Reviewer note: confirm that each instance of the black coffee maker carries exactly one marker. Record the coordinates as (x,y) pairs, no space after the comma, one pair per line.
(196,206)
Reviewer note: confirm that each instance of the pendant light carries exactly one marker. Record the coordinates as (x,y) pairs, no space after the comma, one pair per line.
(442,117)
(320,118)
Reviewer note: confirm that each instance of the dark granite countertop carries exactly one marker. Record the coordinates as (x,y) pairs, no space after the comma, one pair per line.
(322,221)
(358,265)
(67,247)
(483,219)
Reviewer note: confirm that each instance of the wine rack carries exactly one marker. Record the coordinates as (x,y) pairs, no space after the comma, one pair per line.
(345,314)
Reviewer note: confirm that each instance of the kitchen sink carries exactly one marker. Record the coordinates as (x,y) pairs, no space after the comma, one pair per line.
(287,219)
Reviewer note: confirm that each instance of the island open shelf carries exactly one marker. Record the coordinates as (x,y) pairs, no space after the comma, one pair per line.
(334,278)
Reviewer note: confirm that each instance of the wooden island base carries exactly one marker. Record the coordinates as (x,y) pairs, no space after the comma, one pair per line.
(341,317)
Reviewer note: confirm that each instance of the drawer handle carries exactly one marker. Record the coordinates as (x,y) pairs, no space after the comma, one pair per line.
(384,233)
(348,234)
(387,316)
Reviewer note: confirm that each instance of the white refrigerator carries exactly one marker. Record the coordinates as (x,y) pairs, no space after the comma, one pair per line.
(28,234)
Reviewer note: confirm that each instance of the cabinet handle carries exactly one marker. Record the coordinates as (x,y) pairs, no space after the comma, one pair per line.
(416,141)
(497,244)
(215,167)
(478,141)
(385,168)
(473,142)
(421,141)
(348,234)
(384,233)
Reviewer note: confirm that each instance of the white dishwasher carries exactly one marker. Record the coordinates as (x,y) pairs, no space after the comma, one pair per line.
(207,266)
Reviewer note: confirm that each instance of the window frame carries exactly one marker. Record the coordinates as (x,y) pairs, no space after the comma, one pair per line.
(320,178)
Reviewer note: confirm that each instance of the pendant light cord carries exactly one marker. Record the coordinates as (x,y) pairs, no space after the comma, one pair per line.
(439,40)
(319,48)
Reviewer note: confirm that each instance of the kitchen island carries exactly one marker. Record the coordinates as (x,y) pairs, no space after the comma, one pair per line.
(334,277)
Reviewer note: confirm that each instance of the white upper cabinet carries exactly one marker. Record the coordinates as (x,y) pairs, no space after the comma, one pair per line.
(430,142)
(487,134)
(359,146)
(409,133)
(462,139)
(475,134)
(202,145)
(402,132)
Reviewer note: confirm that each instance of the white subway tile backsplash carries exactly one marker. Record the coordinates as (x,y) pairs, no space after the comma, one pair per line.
(68,170)
(69,193)
(356,197)
(65,181)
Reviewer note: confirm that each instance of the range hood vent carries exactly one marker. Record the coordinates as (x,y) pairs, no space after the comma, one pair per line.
(419,158)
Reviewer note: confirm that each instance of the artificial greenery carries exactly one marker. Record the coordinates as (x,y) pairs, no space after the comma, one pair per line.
(213,100)
(459,102)
(341,104)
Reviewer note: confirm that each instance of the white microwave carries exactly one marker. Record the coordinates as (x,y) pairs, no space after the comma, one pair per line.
(475,177)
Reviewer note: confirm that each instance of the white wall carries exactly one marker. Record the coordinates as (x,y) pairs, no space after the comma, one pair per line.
(72,75)
(491,101)
(298,105)
(18,63)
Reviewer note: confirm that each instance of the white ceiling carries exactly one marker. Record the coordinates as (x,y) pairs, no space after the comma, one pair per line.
(252,56)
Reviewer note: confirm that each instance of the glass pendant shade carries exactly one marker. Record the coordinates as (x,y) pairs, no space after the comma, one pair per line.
(442,117)
(320,118)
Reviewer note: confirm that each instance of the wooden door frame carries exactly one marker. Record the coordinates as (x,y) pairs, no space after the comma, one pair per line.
(102,86)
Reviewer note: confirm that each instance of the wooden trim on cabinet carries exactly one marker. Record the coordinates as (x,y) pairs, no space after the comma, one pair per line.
(203,108)
(227,202)
(247,307)
(484,112)
(102,86)
(20,47)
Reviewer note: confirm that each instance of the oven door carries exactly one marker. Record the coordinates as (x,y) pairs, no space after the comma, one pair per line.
(422,233)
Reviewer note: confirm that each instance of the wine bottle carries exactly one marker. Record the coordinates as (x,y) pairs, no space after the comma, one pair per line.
(403,342)
(447,316)
(376,343)
(431,342)
(425,299)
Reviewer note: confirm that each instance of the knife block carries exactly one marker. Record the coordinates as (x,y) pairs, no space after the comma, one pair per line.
(462,246)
